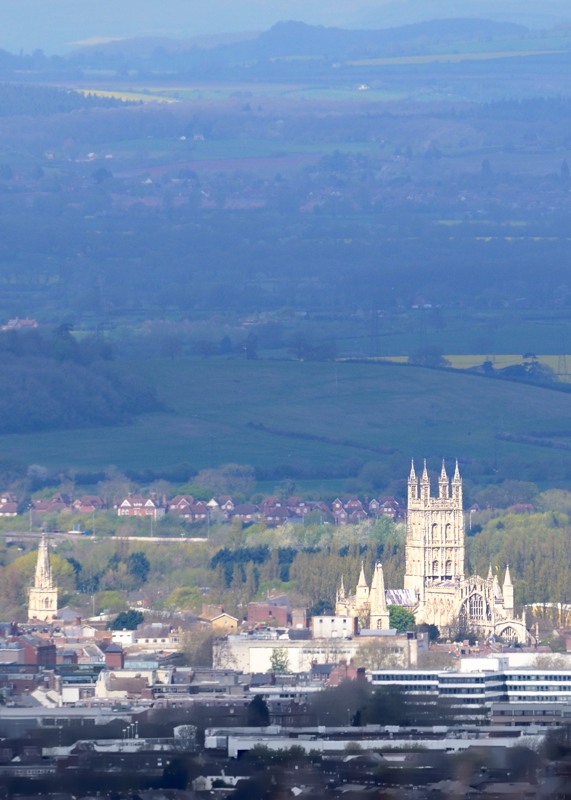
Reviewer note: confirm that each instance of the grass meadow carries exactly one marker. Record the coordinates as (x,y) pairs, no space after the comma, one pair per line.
(311,416)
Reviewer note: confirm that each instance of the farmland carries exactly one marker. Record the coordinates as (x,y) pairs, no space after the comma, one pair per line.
(315,421)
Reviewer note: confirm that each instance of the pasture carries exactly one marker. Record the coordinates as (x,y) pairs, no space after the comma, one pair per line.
(453,58)
(318,418)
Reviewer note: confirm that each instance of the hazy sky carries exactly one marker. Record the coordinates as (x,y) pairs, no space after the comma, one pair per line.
(53,25)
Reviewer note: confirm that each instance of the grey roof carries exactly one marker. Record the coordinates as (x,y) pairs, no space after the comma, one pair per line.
(401,597)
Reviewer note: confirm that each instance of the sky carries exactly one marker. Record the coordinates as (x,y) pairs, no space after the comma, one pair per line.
(54,25)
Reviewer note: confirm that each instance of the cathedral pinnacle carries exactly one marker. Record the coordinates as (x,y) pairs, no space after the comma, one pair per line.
(457,478)
(507,577)
(424,477)
(412,476)
(443,486)
(362,581)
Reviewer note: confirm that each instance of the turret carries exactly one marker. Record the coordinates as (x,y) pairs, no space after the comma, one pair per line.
(443,485)
(412,484)
(424,485)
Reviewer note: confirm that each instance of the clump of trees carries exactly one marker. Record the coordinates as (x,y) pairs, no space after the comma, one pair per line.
(53,380)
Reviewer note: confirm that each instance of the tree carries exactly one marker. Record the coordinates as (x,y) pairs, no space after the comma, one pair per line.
(258,714)
(430,356)
(126,620)
(279,660)
(401,618)
(138,566)
(341,705)
(432,631)
(197,646)
(111,601)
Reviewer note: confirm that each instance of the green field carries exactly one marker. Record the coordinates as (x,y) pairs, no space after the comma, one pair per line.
(214,407)
(432,58)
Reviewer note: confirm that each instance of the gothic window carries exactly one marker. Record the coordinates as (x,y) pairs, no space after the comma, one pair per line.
(448,532)
(434,533)
(47,602)
(379,624)
(476,607)
(435,566)
(509,635)
(449,568)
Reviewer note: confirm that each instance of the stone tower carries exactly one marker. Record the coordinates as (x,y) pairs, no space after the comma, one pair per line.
(42,605)
(435,532)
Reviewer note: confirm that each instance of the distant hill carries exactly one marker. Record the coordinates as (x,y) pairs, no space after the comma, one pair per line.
(145,46)
(53,27)
(291,39)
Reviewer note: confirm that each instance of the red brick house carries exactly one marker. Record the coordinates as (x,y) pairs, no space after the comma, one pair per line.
(135,505)
(89,503)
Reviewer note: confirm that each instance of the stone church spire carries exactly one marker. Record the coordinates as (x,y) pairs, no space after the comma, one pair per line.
(379,614)
(508,592)
(362,590)
(43,597)
(43,577)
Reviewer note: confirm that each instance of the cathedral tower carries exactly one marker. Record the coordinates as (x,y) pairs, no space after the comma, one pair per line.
(42,603)
(435,532)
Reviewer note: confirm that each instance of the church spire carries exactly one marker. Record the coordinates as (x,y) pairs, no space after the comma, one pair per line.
(362,590)
(490,573)
(42,603)
(379,614)
(43,576)
(508,592)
